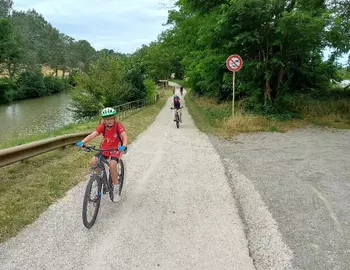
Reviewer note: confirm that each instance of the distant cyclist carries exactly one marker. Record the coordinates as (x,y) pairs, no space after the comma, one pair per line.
(177,106)
(181,90)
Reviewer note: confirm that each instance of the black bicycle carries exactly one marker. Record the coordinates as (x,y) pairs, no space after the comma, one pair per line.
(102,185)
(177,117)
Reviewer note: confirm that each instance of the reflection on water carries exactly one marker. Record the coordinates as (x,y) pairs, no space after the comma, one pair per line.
(30,116)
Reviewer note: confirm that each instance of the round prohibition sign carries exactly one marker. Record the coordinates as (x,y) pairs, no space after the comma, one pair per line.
(234,62)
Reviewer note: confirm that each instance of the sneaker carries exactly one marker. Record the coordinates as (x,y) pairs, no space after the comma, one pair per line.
(116,193)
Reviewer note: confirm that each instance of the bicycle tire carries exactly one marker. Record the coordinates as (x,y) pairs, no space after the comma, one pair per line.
(110,188)
(92,179)
(177,121)
(121,174)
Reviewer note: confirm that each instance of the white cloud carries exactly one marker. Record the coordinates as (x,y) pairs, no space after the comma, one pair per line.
(115,24)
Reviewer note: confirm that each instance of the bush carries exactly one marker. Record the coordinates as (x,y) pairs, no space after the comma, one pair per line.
(54,84)
(150,88)
(7,90)
(109,82)
(71,78)
(31,84)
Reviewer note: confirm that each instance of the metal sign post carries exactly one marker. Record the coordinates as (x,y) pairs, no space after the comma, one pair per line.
(234,63)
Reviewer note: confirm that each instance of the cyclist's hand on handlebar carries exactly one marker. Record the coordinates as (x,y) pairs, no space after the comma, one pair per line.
(80,144)
(122,148)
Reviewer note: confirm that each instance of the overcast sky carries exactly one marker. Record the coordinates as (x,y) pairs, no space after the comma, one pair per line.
(120,25)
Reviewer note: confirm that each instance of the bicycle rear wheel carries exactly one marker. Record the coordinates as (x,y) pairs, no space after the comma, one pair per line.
(90,213)
(121,175)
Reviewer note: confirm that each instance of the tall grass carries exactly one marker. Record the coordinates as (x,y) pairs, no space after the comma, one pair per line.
(212,117)
(325,112)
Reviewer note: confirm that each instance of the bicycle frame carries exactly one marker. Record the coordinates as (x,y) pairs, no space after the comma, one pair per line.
(101,160)
(177,116)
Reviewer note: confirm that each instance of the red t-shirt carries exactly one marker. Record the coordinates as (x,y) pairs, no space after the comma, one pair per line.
(111,139)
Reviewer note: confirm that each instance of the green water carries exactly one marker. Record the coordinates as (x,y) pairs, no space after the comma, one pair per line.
(32,116)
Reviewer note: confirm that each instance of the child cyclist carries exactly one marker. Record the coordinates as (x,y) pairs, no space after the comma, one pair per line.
(177,106)
(115,136)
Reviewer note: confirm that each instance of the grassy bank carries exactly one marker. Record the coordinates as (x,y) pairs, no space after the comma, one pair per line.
(30,187)
(214,118)
(68,129)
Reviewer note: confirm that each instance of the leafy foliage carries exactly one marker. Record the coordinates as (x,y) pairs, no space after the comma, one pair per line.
(31,84)
(54,85)
(7,90)
(110,80)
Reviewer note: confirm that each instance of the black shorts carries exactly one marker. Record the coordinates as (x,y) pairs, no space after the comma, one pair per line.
(107,157)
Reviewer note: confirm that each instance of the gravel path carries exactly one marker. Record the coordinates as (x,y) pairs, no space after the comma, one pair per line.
(177,212)
(297,183)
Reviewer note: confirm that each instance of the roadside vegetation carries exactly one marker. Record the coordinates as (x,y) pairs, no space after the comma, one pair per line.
(284,83)
(216,118)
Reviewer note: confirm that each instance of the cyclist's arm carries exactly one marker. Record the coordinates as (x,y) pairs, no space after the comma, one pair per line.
(124,138)
(90,137)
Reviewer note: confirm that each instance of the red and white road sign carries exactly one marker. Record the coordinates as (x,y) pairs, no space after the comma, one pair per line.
(234,62)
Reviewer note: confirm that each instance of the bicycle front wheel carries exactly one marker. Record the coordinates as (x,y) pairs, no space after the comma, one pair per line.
(92,200)
(121,175)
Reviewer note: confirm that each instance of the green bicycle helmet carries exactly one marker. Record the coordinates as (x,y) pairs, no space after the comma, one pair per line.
(108,112)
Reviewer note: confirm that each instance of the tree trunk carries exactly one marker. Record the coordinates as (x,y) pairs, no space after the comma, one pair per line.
(268,91)
(280,77)
(56,72)
(11,69)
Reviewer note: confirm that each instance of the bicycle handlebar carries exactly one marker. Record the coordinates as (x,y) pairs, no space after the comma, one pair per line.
(90,148)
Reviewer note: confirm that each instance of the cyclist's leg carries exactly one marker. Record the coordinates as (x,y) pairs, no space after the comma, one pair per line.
(114,170)
(180,115)
(93,162)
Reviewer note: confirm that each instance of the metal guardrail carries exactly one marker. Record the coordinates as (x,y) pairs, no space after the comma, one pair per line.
(129,108)
(22,152)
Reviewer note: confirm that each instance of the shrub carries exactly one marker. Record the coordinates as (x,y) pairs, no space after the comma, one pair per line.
(31,84)
(7,90)
(54,84)
(150,88)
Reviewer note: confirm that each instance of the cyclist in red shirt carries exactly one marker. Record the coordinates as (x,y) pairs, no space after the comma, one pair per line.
(115,136)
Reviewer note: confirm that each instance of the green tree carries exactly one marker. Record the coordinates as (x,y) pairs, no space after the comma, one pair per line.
(5,7)
(80,54)
(104,85)
(33,30)
(10,47)
(280,41)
